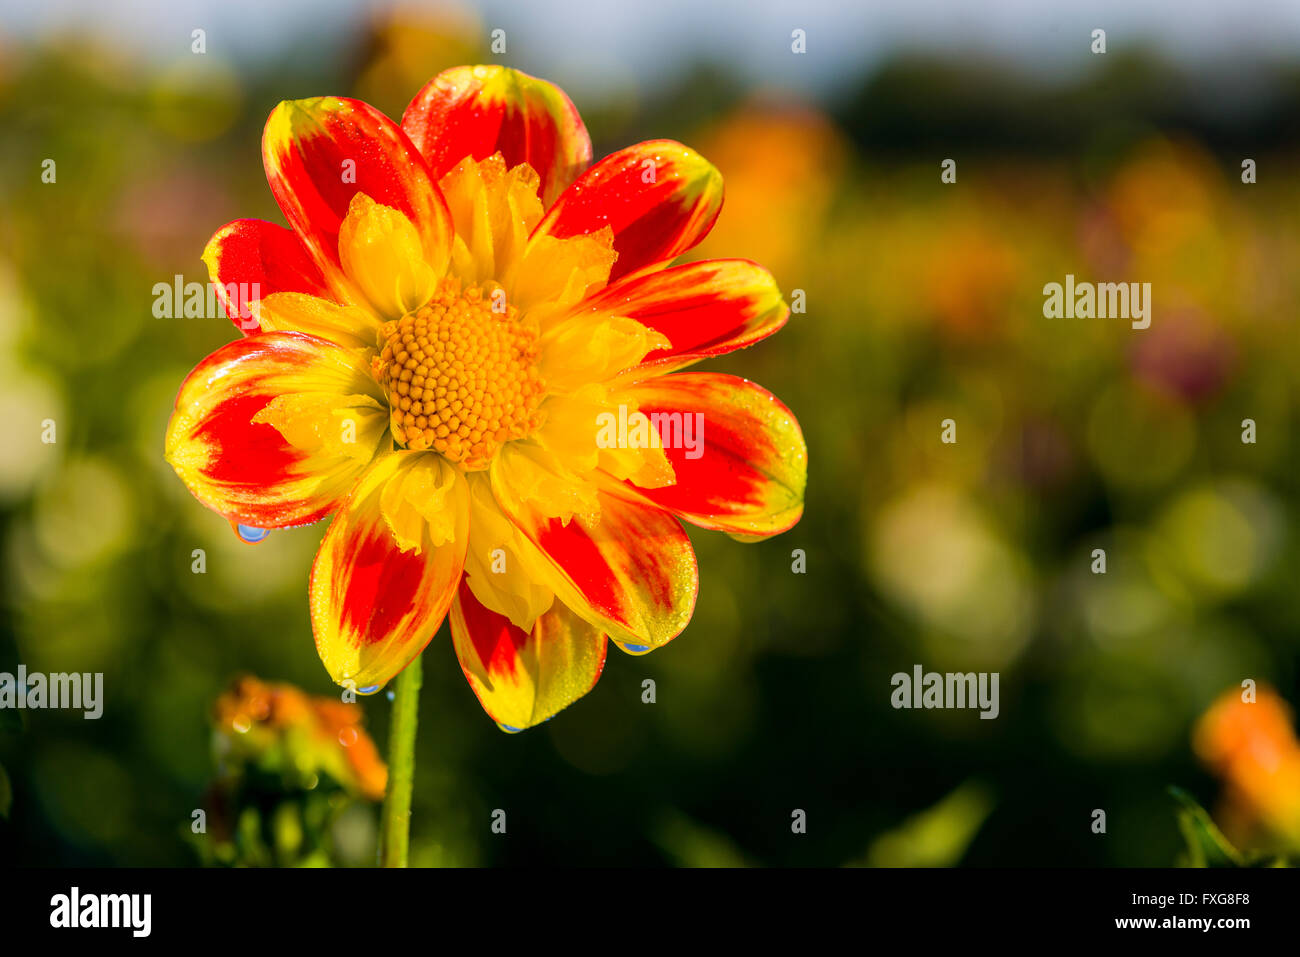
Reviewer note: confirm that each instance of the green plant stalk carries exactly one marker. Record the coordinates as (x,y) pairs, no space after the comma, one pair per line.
(395,823)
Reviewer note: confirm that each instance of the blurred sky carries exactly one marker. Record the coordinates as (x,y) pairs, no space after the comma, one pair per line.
(590,45)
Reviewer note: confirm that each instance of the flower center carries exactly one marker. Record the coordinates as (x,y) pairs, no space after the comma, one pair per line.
(461,376)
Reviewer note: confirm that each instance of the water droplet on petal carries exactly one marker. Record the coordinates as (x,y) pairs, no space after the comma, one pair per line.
(509,730)
(636,649)
(252,535)
(370,690)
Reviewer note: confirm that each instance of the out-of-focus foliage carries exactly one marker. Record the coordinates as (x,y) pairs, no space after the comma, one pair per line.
(1206,845)
(923,303)
(937,836)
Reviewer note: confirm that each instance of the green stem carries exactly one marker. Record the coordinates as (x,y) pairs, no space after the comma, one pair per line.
(395,826)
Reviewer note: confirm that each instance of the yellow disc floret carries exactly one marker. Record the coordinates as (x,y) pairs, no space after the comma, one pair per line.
(461,375)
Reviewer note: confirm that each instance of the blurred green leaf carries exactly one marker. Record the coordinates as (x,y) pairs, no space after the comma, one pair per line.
(691,844)
(937,836)
(1206,845)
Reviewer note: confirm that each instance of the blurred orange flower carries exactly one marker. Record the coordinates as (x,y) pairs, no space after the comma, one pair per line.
(1252,746)
(782,163)
(255,718)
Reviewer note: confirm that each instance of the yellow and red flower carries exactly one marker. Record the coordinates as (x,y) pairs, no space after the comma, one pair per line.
(278,725)
(456,304)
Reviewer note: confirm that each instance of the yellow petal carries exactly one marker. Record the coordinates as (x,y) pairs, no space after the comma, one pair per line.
(555,273)
(501,565)
(322,423)
(380,251)
(582,431)
(349,326)
(539,478)
(494,210)
(577,352)
(415,503)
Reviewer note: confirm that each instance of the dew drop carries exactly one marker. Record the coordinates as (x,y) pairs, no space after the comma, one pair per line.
(636,649)
(252,535)
(370,690)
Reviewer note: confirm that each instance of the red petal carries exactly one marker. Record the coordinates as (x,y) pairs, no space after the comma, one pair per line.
(246,470)
(659,197)
(747,477)
(374,607)
(318,153)
(476,111)
(523,678)
(704,309)
(634,573)
(250,259)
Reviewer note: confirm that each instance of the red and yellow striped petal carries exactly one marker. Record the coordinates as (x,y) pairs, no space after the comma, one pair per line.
(475,111)
(703,309)
(376,601)
(522,678)
(632,573)
(249,471)
(251,259)
(321,152)
(659,197)
(748,473)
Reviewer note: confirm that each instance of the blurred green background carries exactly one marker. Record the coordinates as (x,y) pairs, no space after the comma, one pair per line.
(924,302)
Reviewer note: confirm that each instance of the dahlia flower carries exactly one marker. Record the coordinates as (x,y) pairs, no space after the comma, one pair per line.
(429,347)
